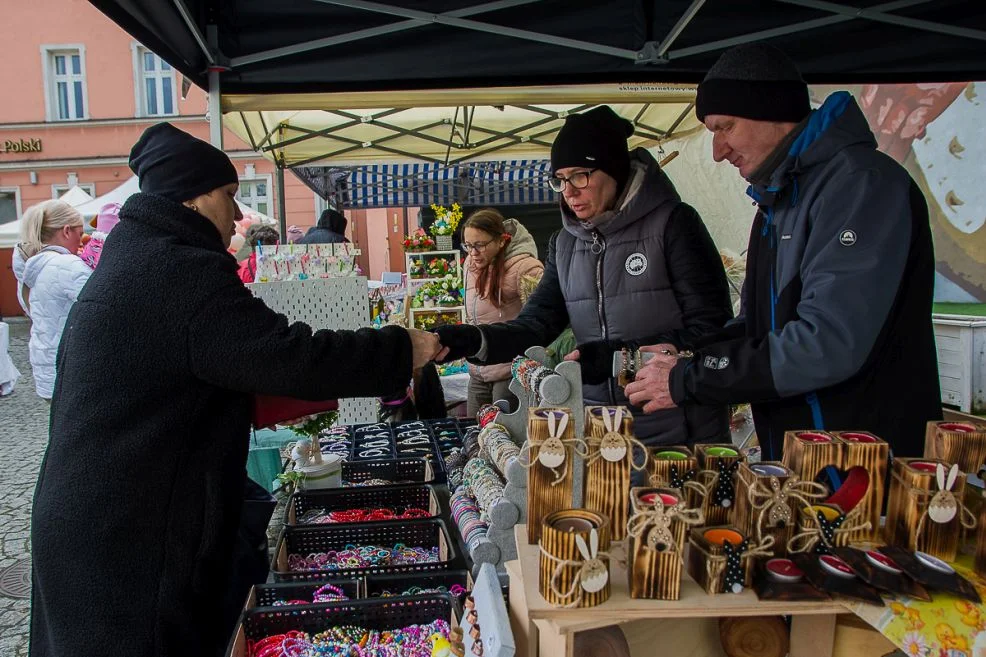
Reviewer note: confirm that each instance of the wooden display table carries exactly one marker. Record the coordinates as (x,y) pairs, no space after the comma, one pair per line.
(550,630)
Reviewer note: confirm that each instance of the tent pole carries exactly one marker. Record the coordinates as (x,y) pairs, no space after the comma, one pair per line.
(281,214)
(215,97)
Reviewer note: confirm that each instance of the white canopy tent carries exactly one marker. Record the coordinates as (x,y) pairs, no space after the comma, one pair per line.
(75,196)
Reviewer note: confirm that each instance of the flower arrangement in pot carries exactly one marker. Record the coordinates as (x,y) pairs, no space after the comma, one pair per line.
(446,222)
(418,241)
(437,267)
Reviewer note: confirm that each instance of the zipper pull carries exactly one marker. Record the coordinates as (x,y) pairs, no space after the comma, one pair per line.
(598,243)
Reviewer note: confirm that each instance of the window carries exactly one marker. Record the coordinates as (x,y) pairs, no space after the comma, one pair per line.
(9,205)
(255,192)
(65,83)
(154,82)
(58,191)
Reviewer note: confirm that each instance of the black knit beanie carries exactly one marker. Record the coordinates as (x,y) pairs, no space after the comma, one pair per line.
(754,81)
(596,139)
(172,163)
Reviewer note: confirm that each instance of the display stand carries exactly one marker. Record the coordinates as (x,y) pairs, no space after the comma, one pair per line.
(549,631)
(498,640)
(329,303)
(410,256)
(413,283)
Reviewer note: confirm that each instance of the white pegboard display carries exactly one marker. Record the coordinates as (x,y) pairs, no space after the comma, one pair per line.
(330,303)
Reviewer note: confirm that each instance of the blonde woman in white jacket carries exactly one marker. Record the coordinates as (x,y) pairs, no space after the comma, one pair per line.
(50,276)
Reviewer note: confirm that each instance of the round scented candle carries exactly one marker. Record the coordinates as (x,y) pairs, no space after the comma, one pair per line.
(960,427)
(883,562)
(572,525)
(670,455)
(783,570)
(814,437)
(651,498)
(934,563)
(835,566)
(767,470)
(855,437)
(721,451)
(924,466)
(720,536)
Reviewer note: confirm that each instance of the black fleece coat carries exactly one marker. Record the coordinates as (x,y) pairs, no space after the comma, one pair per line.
(139,494)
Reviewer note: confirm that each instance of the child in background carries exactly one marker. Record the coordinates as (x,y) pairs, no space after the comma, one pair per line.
(108,217)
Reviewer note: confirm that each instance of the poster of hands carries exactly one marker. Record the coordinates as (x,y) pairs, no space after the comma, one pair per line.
(299,262)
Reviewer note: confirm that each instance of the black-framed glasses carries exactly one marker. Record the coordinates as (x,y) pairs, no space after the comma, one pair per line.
(475,247)
(578,180)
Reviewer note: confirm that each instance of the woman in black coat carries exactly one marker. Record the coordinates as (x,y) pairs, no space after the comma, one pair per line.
(138,498)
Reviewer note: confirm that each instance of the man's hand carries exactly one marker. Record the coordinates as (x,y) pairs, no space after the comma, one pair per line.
(459,340)
(425,347)
(650,389)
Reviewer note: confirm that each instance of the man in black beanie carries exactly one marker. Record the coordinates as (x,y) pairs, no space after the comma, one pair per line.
(330,229)
(632,265)
(836,330)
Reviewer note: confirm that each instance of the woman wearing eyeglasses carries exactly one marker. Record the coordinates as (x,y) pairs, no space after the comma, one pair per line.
(500,255)
(632,265)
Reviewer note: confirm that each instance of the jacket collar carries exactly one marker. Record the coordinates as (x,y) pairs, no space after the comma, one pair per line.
(175,219)
(837,124)
(647,188)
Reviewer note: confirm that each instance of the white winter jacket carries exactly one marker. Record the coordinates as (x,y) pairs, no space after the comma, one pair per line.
(55,277)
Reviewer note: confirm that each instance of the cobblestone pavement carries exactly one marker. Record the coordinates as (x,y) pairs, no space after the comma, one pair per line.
(23,438)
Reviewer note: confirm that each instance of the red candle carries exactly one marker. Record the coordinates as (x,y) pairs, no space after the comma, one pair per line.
(883,562)
(835,566)
(783,570)
(813,437)
(924,466)
(651,498)
(957,426)
(855,437)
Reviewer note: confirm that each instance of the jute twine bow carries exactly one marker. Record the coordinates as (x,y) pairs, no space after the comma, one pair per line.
(655,521)
(966,518)
(773,499)
(715,564)
(822,537)
(593,572)
(551,452)
(614,439)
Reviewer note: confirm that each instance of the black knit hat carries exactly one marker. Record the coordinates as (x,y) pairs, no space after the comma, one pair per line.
(596,139)
(754,81)
(172,163)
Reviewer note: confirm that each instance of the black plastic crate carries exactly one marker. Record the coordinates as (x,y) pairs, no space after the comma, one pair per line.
(382,614)
(373,442)
(394,471)
(323,538)
(375,586)
(265,595)
(396,498)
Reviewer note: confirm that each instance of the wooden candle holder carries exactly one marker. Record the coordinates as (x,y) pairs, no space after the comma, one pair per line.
(707,559)
(864,449)
(655,556)
(549,489)
(909,525)
(607,482)
(560,554)
(957,442)
(709,461)
(811,535)
(664,470)
(763,508)
(806,452)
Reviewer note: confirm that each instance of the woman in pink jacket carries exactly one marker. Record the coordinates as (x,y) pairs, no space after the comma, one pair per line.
(501,258)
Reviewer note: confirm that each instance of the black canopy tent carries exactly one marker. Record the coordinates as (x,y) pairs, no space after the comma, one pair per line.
(262,54)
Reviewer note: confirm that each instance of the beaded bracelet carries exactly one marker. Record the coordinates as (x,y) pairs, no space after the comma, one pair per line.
(487,413)
(455,460)
(367,556)
(353,641)
(484,482)
(498,446)
(466,514)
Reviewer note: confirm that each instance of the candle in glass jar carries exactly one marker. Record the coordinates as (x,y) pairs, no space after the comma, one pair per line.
(813,437)
(651,498)
(572,525)
(855,437)
(720,536)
